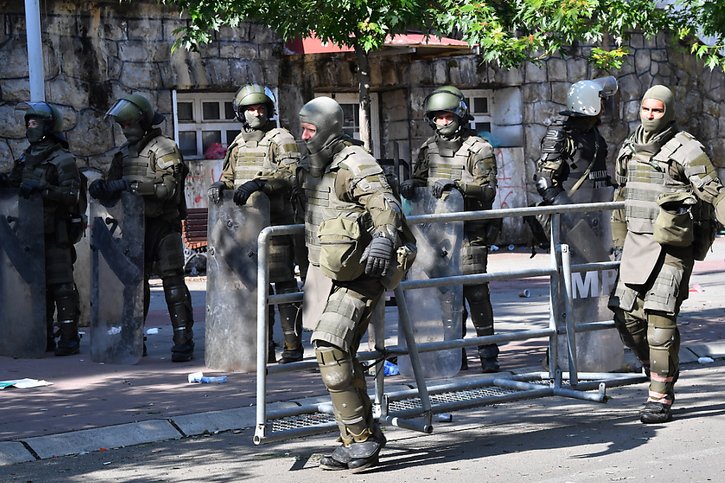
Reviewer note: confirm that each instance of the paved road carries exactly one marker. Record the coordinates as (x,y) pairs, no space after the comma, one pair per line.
(93,406)
(547,440)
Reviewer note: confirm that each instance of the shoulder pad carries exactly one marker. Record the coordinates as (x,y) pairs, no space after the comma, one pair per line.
(165,151)
(61,157)
(283,139)
(358,161)
(685,149)
(477,144)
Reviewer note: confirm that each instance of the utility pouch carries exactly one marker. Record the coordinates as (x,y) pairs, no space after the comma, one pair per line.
(674,224)
(405,256)
(342,242)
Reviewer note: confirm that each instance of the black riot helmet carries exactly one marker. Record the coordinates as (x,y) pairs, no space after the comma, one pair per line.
(49,118)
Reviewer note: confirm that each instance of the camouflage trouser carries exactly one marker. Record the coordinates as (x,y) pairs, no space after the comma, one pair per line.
(646,317)
(337,338)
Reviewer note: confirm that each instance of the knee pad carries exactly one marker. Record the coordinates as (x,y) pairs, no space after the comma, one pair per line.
(66,301)
(171,255)
(175,290)
(336,368)
(340,322)
(477,293)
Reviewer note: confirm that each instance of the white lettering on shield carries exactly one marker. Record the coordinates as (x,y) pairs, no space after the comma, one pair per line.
(593,284)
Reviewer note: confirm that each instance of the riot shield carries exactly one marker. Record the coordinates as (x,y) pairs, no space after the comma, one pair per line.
(82,265)
(589,238)
(231,297)
(435,313)
(22,275)
(117,273)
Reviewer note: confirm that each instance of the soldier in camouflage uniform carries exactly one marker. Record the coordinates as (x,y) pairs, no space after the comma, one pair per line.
(265,157)
(456,158)
(150,165)
(672,195)
(49,170)
(348,199)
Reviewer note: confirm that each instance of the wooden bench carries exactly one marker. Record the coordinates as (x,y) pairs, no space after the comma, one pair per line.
(194,228)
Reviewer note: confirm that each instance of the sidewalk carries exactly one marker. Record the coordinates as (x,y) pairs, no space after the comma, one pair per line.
(90,406)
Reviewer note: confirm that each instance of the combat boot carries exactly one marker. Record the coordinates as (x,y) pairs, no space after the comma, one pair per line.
(356,457)
(69,342)
(655,413)
(178,302)
(50,338)
(489,358)
(291,320)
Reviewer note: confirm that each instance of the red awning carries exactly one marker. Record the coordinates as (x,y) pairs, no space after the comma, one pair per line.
(313,45)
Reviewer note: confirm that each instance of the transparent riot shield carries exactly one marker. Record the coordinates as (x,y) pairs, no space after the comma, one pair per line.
(117,271)
(435,313)
(231,297)
(22,276)
(82,265)
(589,238)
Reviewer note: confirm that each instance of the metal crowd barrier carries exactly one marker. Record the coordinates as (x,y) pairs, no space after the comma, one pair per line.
(413,409)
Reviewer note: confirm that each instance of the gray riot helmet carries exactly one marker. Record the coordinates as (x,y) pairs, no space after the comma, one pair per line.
(51,122)
(585,97)
(135,109)
(326,115)
(249,95)
(446,99)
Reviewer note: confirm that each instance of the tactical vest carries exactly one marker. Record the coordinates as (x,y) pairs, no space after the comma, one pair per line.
(322,201)
(648,176)
(156,156)
(447,163)
(49,167)
(252,155)
(589,149)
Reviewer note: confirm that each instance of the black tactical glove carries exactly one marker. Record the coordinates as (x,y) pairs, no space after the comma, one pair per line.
(442,185)
(116,186)
(242,194)
(97,189)
(215,192)
(379,256)
(546,188)
(29,187)
(407,189)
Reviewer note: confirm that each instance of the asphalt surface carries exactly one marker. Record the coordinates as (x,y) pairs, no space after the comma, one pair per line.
(149,412)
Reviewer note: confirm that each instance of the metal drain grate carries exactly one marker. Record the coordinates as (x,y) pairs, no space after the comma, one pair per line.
(300,421)
(453,396)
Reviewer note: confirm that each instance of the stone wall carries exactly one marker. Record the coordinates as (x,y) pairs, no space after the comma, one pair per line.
(98,51)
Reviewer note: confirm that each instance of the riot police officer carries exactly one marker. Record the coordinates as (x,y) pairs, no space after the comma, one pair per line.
(150,165)
(356,235)
(573,149)
(456,158)
(265,157)
(49,170)
(672,195)
(572,168)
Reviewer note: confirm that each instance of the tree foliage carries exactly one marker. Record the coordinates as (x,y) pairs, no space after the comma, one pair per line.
(511,32)
(507,32)
(354,23)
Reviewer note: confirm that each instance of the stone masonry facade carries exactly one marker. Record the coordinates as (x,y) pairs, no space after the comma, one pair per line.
(96,51)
